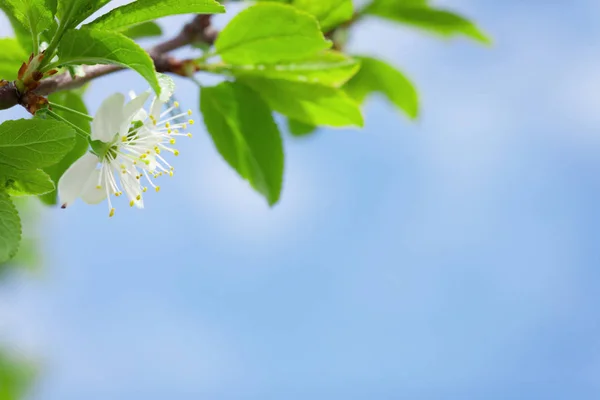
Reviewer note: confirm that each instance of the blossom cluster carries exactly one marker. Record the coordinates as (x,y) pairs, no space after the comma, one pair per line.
(127,148)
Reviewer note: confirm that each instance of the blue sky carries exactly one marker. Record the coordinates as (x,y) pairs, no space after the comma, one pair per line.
(451,258)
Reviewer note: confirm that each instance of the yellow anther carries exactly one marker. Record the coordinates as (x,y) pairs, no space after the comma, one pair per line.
(172,141)
(169,132)
(131,203)
(137,177)
(98,187)
(189,135)
(134,162)
(124,139)
(112,212)
(189,112)
(184,126)
(138,197)
(167,125)
(172,169)
(142,156)
(124,171)
(191,122)
(148,152)
(176,104)
(144,189)
(157,189)
(170,173)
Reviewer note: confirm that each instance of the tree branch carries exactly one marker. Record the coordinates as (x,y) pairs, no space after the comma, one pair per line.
(197,30)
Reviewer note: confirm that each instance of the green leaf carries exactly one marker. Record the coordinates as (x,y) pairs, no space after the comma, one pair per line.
(12,57)
(311,104)
(92,46)
(420,15)
(329,68)
(73,12)
(330,13)
(15,377)
(244,132)
(10,228)
(35,15)
(146,29)
(269,33)
(378,76)
(149,10)
(75,102)
(24,182)
(300,129)
(34,143)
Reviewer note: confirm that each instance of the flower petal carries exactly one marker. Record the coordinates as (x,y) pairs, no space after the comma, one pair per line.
(131,110)
(91,194)
(156,108)
(73,181)
(108,119)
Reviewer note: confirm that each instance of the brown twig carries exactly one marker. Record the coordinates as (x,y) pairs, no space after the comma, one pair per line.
(197,30)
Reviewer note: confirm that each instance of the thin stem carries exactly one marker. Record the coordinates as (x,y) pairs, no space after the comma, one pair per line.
(85,135)
(49,53)
(67,109)
(206,56)
(35,40)
(54,65)
(197,82)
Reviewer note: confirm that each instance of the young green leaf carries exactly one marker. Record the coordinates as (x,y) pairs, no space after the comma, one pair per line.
(300,129)
(269,33)
(10,228)
(330,13)
(73,101)
(329,68)
(25,182)
(34,143)
(35,15)
(378,76)
(73,12)
(311,104)
(245,134)
(149,10)
(92,46)
(143,30)
(12,57)
(423,16)
(22,34)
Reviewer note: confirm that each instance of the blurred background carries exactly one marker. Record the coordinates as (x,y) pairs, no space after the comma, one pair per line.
(452,258)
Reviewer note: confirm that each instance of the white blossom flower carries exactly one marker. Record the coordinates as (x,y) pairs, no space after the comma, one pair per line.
(126,143)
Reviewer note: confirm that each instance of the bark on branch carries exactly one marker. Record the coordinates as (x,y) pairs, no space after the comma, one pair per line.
(197,30)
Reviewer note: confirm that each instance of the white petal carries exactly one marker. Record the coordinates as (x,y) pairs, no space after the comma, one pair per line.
(73,181)
(130,110)
(141,115)
(91,194)
(108,119)
(156,108)
(135,105)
